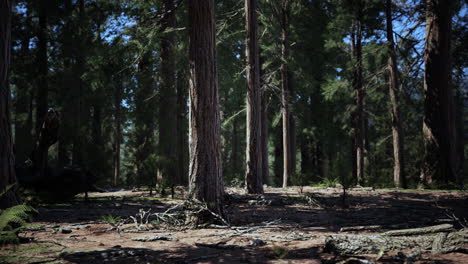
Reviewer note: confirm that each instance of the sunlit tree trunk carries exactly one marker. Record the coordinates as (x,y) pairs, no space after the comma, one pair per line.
(285,93)
(253,175)
(398,165)
(205,171)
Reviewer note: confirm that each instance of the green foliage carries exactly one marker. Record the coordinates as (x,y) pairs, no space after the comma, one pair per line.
(111,220)
(12,220)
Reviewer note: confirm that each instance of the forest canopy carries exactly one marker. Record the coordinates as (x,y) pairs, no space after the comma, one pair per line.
(342,90)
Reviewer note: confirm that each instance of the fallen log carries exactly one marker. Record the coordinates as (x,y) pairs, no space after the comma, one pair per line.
(421,231)
(373,244)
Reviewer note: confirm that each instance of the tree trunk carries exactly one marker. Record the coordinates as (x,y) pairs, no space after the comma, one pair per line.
(438,126)
(7,159)
(144,121)
(42,66)
(117,131)
(253,172)
(398,167)
(357,115)
(23,107)
(205,173)
(285,93)
(168,100)
(67,96)
(182,131)
(78,96)
(264,138)
(278,163)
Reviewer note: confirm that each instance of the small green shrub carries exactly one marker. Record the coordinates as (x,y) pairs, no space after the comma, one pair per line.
(12,220)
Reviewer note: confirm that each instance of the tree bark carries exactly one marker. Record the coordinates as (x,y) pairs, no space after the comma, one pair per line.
(398,148)
(285,93)
(438,126)
(253,174)
(205,173)
(373,244)
(357,115)
(7,159)
(168,100)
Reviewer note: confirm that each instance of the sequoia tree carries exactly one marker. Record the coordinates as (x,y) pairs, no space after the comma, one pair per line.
(7,159)
(253,174)
(205,172)
(438,126)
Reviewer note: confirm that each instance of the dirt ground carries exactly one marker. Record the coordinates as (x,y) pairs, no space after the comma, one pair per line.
(283,226)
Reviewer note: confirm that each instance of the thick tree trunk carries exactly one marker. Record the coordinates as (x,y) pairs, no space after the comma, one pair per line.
(438,127)
(253,173)
(285,93)
(205,173)
(7,159)
(398,167)
(168,100)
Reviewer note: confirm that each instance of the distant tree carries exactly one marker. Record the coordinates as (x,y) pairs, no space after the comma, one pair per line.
(7,160)
(168,98)
(253,173)
(398,167)
(439,131)
(205,173)
(288,169)
(357,118)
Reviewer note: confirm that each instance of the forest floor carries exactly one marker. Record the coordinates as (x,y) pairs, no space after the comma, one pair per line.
(283,226)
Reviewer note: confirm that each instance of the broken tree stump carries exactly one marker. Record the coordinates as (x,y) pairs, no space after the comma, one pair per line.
(436,242)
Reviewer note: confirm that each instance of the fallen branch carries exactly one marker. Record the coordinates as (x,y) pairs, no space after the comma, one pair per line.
(360,228)
(421,231)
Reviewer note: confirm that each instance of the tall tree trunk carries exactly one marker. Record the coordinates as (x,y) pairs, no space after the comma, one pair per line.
(23,106)
(78,97)
(182,130)
(168,100)
(144,120)
(285,93)
(42,66)
(398,165)
(264,138)
(253,172)
(117,131)
(438,127)
(205,173)
(357,115)
(7,159)
(279,160)
(67,95)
